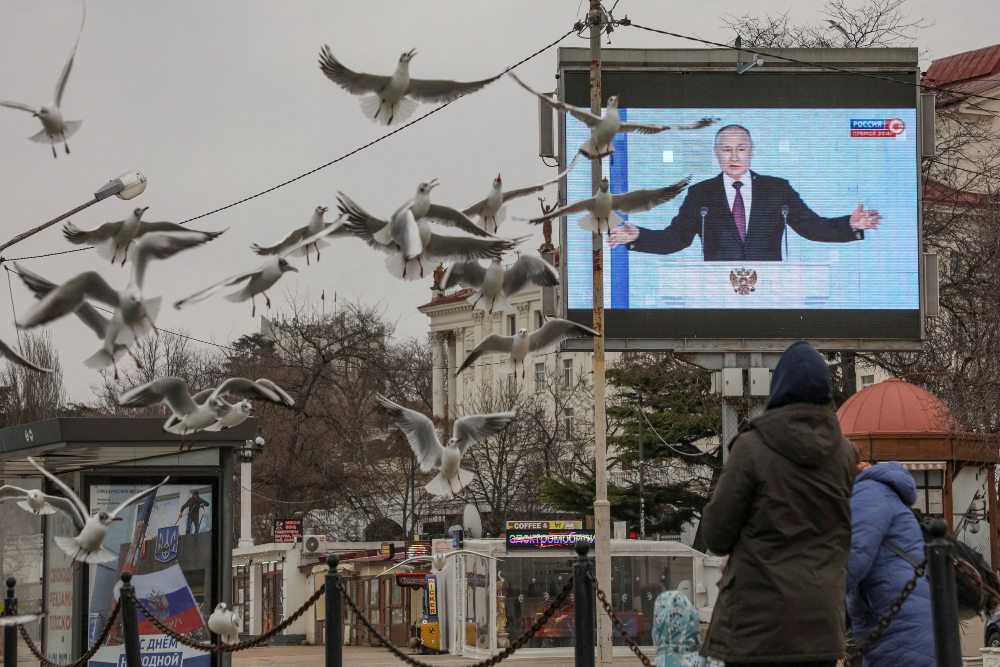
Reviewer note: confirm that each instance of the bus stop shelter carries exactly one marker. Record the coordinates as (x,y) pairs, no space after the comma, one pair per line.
(177,543)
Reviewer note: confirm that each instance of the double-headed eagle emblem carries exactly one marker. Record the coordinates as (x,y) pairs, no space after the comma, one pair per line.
(743,280)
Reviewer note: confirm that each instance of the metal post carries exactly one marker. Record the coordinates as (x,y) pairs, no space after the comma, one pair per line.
(583,605)
(944,597)
(130,622)
(10,631)
(642,472)
(334,614)
(602,508)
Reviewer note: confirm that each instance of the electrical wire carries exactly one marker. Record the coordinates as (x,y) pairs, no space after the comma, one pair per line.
(13,310)
(833,68)
(332,162)
(667,444)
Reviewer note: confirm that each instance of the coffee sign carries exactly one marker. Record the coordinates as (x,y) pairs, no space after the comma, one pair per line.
(545,525)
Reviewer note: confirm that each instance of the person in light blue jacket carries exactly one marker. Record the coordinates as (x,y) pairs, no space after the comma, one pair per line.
(676,632)
(882,525)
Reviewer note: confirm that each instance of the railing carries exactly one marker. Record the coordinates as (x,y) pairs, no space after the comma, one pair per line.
(940,567)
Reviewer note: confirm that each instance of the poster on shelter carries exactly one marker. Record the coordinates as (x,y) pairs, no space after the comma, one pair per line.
(166,541)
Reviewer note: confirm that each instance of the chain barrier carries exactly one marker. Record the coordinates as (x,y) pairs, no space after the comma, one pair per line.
(883,624)
(989,598)
(557,603)
(222,648)
(619,626)
(83,659)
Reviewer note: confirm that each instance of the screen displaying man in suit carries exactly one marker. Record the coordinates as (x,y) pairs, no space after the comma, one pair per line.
(742,215)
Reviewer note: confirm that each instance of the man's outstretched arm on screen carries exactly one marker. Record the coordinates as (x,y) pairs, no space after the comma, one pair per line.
(677,236)
(807,224)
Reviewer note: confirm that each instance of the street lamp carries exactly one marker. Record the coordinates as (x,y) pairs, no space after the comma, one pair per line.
(247,453)
(127,186)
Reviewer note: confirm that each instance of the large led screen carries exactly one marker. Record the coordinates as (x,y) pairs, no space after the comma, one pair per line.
(797,223)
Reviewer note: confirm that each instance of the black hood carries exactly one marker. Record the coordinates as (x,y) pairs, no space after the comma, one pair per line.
(801,376)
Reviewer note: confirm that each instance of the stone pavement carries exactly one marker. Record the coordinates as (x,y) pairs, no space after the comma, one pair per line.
(312,656)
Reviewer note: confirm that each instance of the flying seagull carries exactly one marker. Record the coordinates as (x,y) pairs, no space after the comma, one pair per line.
(492,209)
(315,226)
(234,414)
(54,128)
(19,619)
(391,99)
(133,315)
(438,560)
(88,545)
(7,351)
(188,414)
(226,623)
(112,240)
(600,208)
(522,344)
(493,284)
(259,280)
(31,500)
(604,128)
(446,459)
(409,240)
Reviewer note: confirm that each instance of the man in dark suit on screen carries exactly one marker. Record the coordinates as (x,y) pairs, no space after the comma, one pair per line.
(741,215)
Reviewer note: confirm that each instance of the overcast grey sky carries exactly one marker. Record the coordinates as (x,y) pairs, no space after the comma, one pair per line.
(216,100)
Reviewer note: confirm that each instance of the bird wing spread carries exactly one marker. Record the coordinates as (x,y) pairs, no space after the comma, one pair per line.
(161,245)
(528,269)
(290,239)
(209,291)
(451,217)
(556,330)
(245,388)
(283,395)
(440,90)
(8,491)
(87,313)
(576,207)
(326,231)
(474,428)
(104,232)
(360,222)
(147,227)
(76,509)
(467,247)
(64,75)
(137,497)
(585,117)
(644,200)
(357,83)
(7,351)
(470,274)
(419,431)
(641,128)
(492,344)
(69,296)
(171,390)
(18,105)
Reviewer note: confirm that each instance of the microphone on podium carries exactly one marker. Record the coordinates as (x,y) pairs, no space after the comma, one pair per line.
(784,228)
(704,212)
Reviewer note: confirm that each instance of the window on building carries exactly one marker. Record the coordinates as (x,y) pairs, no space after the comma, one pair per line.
(539,377)
(511,325)
(567,372)
(867,380)
(539,320)
(930,491)
(568,421)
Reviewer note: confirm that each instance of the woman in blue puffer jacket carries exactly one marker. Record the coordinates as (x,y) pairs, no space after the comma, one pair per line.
(881,516)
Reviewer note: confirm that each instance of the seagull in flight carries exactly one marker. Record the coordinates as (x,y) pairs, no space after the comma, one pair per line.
(88,545)
(391,99)
(446,459)
(188,414)
(226,623)
(437,561)
(492,210)
(604,128)
(408,238)
(315,226)
(493,283)
(234,414)
(54,127)
(7,351)
(132,316)
(30,500)
(259,280)
(600,208)
(522,344)
(112,240)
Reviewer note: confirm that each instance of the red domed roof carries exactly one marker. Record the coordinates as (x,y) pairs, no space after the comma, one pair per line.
(894,406)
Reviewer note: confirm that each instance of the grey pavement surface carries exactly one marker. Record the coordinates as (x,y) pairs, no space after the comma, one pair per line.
(312,656)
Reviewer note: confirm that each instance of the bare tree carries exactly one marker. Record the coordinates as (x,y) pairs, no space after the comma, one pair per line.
(29,396)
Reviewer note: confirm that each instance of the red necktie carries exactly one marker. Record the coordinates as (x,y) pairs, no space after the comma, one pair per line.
(739,211)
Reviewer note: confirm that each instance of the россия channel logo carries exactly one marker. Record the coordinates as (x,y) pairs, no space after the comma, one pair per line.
(877,127)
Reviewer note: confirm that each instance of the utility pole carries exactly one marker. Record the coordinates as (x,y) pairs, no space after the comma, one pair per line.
(642,472)
(602,508)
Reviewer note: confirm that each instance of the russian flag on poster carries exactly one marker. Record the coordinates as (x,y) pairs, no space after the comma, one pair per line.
(166,593)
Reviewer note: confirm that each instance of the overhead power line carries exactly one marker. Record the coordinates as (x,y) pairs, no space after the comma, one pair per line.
(332,162)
